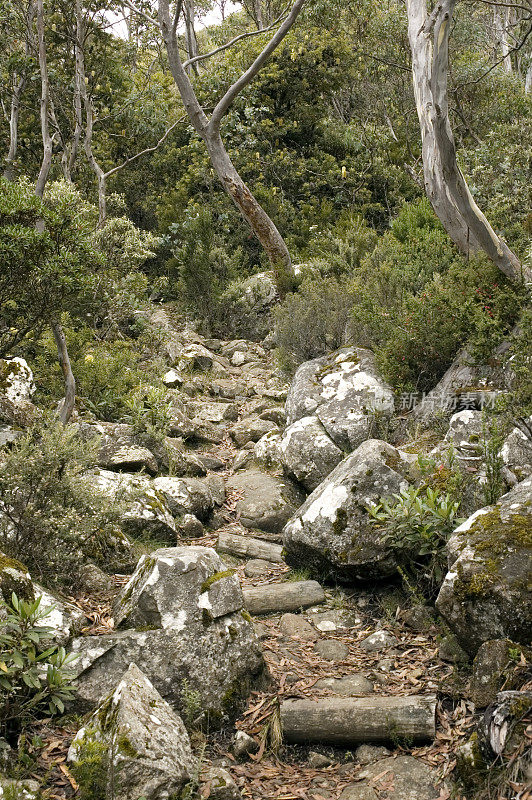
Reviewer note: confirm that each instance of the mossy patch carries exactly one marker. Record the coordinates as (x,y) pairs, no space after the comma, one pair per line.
(14,578)
(493,537)
(218,576)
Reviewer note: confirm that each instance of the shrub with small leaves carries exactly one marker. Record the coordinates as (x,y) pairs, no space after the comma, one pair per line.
(51,516)
(34,676)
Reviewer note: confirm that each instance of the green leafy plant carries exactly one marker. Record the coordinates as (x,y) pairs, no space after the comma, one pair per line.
(34,677)
(416,523)
(492,441)
(149,412)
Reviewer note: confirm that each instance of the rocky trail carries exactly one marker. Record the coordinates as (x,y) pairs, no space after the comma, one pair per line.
(358,703)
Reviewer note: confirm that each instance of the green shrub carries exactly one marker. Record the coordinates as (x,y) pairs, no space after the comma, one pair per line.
(106,371)
(34,676)
(312,321)
(44,268)
(471,303)
(92,766)
(50,514)
(149,412)
(341,249)
(200,268)
(416,524)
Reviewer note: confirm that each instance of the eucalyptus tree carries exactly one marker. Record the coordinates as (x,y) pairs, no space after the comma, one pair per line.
(208,127)
(445,184)
(18,35)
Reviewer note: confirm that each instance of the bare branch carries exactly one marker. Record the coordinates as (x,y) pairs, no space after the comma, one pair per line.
(505,5)
(239,38)
(137,10)
(223,105)
(496,63)
(147,149)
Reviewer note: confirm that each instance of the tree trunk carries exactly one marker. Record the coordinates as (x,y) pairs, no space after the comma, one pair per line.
(209,130)
(445,184)
(45,104)
(280,597)
(258,220)
(18,88)
(259,19)
(190,34)
(101,177)
(356,720)
(67,405)
(19,83)
(248,547)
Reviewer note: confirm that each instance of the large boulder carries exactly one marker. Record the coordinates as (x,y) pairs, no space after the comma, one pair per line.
(468,384)
(144,508)
(15,578)
(251,429)
(332,533)
(61,617)
(16,379)
(120,450)
(308,453)
(516,451)
(176,587)
(345,392)
(487,593)
(193,639)
(143,745)
(265,501)
(16,389)
(185,496)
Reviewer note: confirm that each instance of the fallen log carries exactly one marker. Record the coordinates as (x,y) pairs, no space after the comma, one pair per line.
(355,720)
(248,547)
(283,597)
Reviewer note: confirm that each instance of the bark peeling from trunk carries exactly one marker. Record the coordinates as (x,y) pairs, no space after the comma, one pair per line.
(445,184)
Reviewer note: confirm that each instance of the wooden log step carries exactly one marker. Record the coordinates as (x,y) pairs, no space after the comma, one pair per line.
(283,597)
(248,547)
(356,720)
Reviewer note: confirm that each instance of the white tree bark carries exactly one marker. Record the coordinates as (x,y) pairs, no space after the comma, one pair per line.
(190,36)
(47,144)
(19,84)
(445,184)
(67,405)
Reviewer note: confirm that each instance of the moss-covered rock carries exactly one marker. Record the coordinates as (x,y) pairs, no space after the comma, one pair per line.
(133,742)
(331,533)
(487,594)
(14,577)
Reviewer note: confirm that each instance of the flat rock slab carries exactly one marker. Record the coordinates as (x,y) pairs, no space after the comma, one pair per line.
(331,650)
(402,778)
(294,625)
(257,568)
(283,597)
(349,686)
(359,791)
(348,721)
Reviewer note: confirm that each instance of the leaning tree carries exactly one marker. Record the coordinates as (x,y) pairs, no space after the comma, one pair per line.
(445,184)
(208,127)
